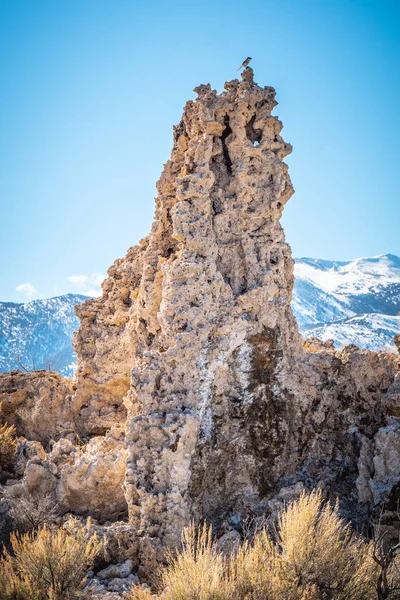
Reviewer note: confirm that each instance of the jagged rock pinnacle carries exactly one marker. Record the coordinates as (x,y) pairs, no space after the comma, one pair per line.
(248,75)
(212,304)
(223,405)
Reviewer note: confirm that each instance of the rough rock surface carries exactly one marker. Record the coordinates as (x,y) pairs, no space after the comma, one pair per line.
(213,326)
(193,345)
(104,347)
(83,480)
(37,403)
(231,407)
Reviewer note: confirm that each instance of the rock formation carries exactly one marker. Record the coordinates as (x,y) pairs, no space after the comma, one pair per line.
(38,404)
(214,328)
(193,348)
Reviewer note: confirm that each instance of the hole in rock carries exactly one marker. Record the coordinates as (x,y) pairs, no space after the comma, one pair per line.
(216,207)
(168,252)
(254,135)
(174,446)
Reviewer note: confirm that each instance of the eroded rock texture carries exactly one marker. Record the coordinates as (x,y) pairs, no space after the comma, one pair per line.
(38,404)
(226,408)
(193,348)
(213,331)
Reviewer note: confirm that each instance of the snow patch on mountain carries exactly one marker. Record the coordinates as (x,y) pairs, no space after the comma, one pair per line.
(371,331)
(350,302)
(37,334)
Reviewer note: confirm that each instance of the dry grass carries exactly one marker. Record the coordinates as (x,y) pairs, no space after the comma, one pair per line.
(8,447)
(198,572)
(312,555)
(49,565)
(138,593)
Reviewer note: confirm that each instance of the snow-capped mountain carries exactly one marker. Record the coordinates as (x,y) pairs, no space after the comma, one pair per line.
(350,302)
(38,334)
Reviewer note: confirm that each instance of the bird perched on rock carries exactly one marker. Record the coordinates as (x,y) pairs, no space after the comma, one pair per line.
(245,63)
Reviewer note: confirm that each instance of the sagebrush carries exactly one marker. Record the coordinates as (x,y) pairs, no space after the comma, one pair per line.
(33,511)
(49,564)
(310,554)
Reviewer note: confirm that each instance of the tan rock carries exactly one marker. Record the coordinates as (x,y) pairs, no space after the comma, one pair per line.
(86,481)
(90,479)
(37,403)
(226,405)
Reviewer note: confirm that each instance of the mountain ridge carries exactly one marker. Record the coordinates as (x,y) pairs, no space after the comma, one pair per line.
(37,334)
(337,300)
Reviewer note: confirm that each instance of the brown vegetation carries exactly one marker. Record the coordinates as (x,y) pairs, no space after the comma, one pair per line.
(47,565)
(311,554)
(8,447)
(33,511)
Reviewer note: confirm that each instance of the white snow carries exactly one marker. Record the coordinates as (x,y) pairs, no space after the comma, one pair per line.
(350,302)
(371,331)
(359,276)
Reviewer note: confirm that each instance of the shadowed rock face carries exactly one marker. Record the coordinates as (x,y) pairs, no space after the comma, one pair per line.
(194,348)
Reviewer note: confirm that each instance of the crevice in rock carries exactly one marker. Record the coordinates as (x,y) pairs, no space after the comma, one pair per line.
(254,135)
(227,131)
(216,207)
(179,130)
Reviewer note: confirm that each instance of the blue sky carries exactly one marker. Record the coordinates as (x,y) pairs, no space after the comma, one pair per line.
(90,90)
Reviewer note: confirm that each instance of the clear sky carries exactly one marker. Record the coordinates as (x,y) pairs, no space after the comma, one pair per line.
(90,89)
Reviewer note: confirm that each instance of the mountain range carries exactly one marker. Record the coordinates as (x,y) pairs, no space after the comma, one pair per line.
(38,334)
(354,301)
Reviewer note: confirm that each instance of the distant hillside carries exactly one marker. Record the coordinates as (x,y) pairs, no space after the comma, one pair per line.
(350,302)
(39,333)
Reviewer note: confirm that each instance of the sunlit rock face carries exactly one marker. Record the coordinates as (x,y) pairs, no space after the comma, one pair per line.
(228,415)
(38,404)
(214,339)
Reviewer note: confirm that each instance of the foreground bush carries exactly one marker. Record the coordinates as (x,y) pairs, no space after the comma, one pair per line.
(33,511)
(314,556)
(48,565)
(8,447)
(198,572)
(311,555)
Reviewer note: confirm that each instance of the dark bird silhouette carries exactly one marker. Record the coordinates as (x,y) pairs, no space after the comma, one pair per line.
(245,63)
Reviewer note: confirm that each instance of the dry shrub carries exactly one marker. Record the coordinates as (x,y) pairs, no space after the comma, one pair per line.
(48,565)
(8,447)
(386,554)
(312,555)
(139,593)
(198,571)
(33,511)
